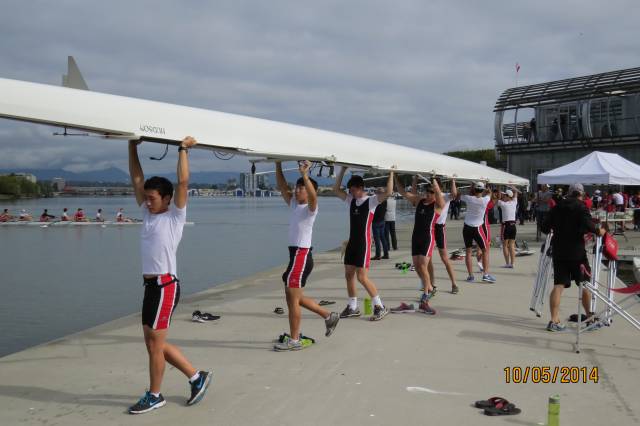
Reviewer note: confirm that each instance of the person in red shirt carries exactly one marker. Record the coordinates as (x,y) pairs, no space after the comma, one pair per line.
(79,216)
(588,202)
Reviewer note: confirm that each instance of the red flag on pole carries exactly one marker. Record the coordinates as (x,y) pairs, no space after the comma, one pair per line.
(517,67)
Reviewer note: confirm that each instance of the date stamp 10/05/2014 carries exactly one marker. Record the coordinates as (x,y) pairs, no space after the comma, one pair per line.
(548,374)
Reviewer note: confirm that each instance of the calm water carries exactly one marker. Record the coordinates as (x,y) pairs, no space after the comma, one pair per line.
(59,280)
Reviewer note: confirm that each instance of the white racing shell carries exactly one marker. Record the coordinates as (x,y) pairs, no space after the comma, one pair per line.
(123,117)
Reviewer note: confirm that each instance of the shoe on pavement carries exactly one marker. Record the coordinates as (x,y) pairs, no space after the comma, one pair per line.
(331,323)
(350,313)
(288,345)
(147,403)
(470,279)
(555,326)
(403,308)
(199,387)
(379,312)
(488,278)
(425,308)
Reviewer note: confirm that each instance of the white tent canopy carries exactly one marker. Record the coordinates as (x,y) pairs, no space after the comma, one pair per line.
(596,168)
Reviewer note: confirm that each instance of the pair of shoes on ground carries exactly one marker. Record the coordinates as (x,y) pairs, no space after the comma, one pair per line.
(285,343)
(150,402)
(379,312)
(198,316)
(386,256)
(507,266)
(497,406)
(404,308)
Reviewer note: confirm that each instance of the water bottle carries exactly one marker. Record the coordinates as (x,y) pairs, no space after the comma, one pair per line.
(368,309)
(553,418)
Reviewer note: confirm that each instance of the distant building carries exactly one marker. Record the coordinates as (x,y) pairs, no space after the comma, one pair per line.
(58,184)
(28,176)
(552,124)
(252,183)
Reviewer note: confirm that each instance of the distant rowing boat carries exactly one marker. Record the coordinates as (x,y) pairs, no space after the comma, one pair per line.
(71,223)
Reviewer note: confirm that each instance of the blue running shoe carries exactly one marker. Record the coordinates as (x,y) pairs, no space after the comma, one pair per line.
(199,387)
(470,279)
(147,403)
(488,278)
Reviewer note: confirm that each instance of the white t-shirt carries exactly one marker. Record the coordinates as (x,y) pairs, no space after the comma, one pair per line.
(301,224)
(160,237)
(445,210)
(373,201)
(508,209)
(390,215)
(476,208)
(618,199)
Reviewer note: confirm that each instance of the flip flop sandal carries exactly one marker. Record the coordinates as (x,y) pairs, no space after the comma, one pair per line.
(505,410)
(326,302)
(278,311)
(493,402)
(208,317)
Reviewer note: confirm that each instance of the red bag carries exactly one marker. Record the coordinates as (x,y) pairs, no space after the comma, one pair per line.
(609,247)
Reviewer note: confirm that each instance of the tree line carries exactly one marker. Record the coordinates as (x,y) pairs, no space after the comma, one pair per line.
(19,187)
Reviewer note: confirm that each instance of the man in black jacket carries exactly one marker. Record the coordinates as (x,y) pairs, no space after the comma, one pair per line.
(569,220)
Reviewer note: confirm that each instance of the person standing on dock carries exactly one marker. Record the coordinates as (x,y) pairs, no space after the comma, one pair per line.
(390,223)
(441,239)
(569,220)
(162,226)
(303,206)
(429,207)
(476,229)
(357,255)
(508,230)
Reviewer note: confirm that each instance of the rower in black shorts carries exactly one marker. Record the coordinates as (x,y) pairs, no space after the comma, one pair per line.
(358,252)
(423,240)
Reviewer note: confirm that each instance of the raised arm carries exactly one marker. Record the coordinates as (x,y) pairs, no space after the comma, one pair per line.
(454,189)
(312,196)
(340,193)
(438,194)
(282,183)
(135,170)
(180,197)
(411,197)
(388,190)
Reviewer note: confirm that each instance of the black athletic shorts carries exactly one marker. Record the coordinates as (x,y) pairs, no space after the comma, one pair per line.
(509,231)
(565,271)
(441,236)
(300,266)
(161,296)
(423,242)
(474,233)
(358,254)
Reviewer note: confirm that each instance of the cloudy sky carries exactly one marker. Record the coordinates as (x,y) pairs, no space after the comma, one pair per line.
(420,73)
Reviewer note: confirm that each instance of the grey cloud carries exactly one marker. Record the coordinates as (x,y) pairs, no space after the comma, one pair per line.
(423,74)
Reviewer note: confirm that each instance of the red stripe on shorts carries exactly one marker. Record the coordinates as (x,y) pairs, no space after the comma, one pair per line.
(294,280)
(165,307)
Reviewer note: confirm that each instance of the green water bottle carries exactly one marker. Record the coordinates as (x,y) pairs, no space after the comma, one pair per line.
(368,310)
(553,418)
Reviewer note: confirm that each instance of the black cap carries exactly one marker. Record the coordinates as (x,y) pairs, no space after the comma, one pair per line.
(356,181)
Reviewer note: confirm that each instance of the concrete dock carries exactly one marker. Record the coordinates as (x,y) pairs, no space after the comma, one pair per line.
(406,369)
